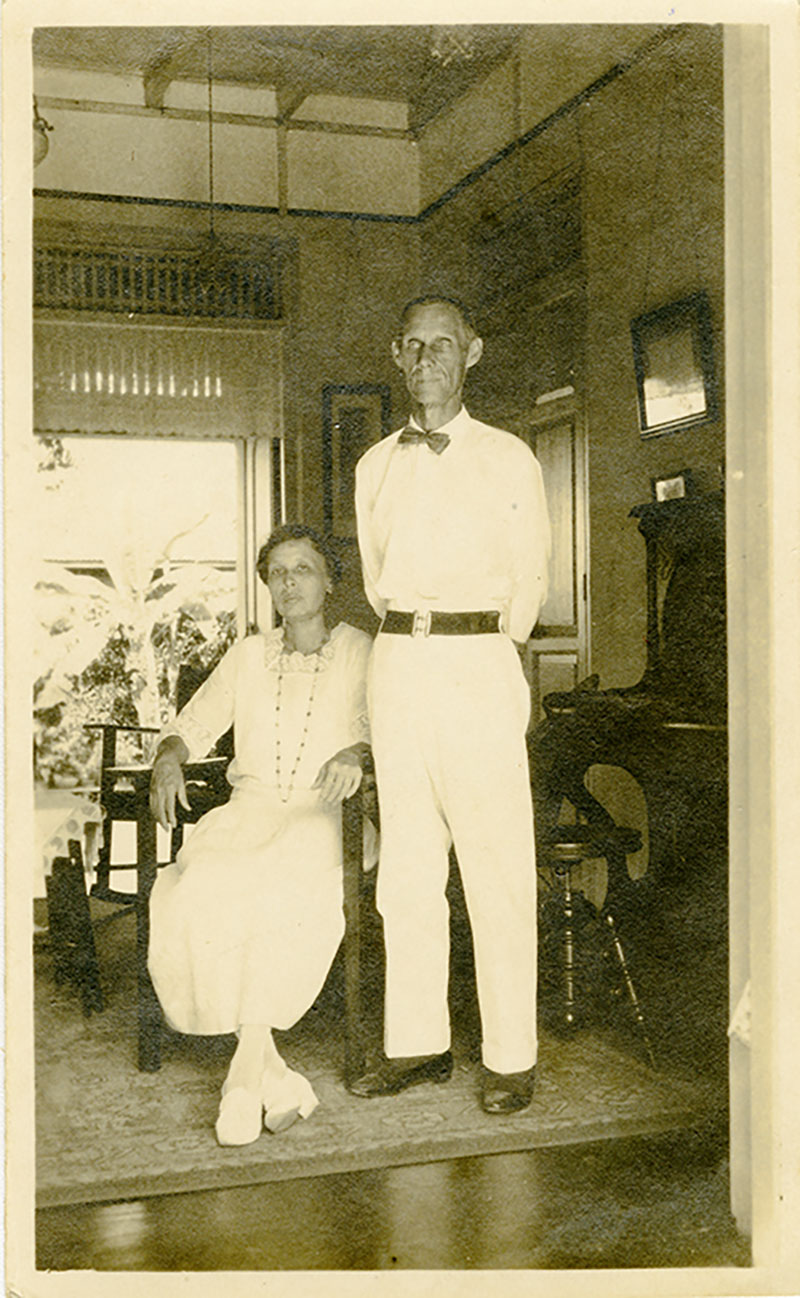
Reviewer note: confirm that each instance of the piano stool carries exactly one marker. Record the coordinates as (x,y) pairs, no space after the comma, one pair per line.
(561,848)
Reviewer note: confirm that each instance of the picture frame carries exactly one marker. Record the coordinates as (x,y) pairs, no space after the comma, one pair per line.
(673,358)
(673,486)
(354,417)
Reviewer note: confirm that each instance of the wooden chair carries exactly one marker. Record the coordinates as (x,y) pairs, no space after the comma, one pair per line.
(362,976)
(118,800)
(124,791)
(358,909)
(124,796)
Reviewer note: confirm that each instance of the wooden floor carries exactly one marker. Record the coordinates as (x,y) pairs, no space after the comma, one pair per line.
(646,1202)
(659,1202)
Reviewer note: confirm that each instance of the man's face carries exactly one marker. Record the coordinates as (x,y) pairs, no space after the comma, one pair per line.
(298,580)
(434,351)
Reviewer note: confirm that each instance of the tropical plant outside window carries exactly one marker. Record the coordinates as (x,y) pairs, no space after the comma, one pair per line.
(136,576)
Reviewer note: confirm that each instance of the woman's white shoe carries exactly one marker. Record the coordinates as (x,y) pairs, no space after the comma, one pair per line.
(239,1118)
(285,1099)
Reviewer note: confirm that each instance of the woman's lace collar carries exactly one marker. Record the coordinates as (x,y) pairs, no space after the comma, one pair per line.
(276,657)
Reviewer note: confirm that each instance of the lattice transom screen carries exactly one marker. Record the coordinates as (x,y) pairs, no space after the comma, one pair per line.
(156,380)
(145,282)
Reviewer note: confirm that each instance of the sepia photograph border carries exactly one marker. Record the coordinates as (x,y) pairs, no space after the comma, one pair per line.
(763,476)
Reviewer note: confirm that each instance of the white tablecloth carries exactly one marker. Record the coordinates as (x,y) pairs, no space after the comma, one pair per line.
(58,817)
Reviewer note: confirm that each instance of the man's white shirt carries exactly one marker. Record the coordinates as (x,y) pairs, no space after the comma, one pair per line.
(463,530)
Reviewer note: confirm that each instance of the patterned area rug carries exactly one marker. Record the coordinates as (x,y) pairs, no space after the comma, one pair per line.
(106,1131)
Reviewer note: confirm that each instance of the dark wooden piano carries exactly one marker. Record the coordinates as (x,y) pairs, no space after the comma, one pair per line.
(669,730)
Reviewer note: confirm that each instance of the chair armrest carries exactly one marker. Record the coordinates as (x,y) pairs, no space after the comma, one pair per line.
(112,725)
(108,756)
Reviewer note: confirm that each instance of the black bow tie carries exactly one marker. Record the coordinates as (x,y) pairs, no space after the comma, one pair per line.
(411,436)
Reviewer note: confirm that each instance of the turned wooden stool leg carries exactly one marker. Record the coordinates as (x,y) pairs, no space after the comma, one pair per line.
(569,845)
(630,988)
(569,950)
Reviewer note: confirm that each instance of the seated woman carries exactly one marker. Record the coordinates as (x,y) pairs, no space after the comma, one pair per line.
(245,924)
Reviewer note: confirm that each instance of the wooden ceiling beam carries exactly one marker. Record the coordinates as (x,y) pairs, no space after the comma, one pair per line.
(156,83)
(289,97)
(164,68)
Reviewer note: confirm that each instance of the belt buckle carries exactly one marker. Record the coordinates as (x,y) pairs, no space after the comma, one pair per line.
(421,624)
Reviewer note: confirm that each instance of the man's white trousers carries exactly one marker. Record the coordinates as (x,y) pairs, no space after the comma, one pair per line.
(448,716)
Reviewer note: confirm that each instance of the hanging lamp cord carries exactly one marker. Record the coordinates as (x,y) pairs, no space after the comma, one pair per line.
(210,132)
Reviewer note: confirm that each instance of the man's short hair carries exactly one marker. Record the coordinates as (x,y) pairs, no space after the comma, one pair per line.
(440,299)
(298,532)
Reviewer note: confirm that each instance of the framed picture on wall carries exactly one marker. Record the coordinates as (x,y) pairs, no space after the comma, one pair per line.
(673,359)
(354,417)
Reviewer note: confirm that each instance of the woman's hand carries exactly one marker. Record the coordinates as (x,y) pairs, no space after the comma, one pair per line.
(167,784)
(340,776)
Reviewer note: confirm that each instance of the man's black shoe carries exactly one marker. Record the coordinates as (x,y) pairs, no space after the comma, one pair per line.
(506,1092)
(394,1075)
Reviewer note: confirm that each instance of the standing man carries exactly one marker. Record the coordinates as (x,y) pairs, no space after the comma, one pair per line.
(454,540)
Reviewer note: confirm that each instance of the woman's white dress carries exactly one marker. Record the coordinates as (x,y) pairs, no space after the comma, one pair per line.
(245,924)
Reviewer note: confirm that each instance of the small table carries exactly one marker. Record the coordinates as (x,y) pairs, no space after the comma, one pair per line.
(69,836)
(61,815)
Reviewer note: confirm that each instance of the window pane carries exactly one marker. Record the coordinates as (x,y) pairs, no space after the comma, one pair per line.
(137,545)
(98,494)
(554,450)
(145,380)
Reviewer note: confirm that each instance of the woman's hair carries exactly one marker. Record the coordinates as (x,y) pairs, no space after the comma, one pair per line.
(298,532)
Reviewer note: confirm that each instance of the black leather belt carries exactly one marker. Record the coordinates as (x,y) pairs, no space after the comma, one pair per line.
(434,623)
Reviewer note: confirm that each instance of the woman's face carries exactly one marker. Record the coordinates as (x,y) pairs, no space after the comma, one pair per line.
(298,580)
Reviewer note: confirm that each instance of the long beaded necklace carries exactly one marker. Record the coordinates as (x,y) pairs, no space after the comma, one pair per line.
(303,737)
